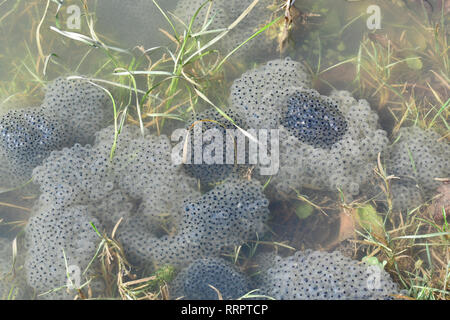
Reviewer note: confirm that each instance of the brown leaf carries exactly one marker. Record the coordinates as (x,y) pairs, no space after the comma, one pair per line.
(346,229)
(347,226)
(442,200)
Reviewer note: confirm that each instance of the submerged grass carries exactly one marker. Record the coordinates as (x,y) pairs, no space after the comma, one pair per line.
(412,247)
(411,82)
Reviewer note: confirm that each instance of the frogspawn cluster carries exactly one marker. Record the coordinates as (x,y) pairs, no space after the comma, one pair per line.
(317,275)
(72,111)
(206,279)
(417,158)
(166,220)
(326,142)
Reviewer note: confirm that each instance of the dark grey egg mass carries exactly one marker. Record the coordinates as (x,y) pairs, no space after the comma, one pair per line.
(194,282)
(27,137)
(215,172)
(72,112)
(314,121)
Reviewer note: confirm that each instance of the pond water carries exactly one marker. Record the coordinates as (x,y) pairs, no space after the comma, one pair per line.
(350,100)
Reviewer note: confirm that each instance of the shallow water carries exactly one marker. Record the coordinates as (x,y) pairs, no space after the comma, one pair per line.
(378,50)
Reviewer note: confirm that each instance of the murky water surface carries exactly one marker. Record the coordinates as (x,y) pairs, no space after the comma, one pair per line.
(391,53)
